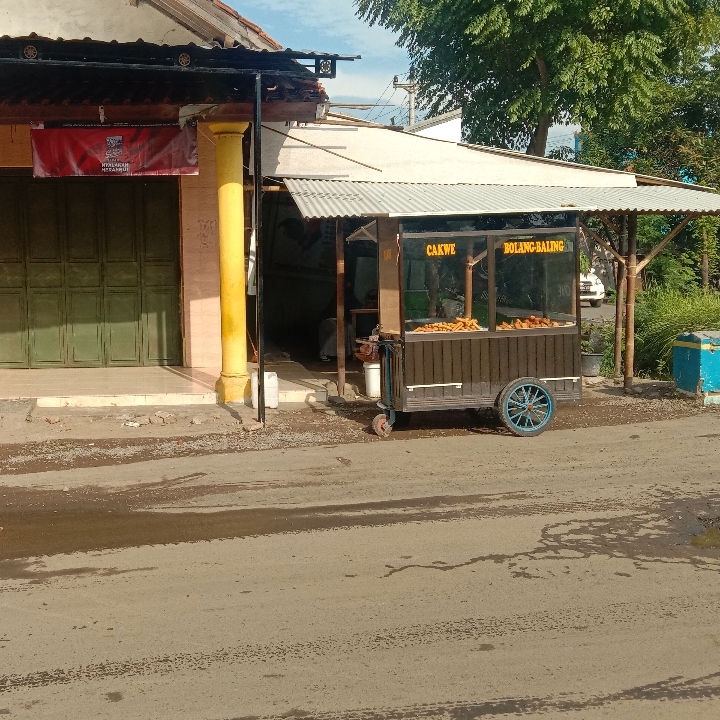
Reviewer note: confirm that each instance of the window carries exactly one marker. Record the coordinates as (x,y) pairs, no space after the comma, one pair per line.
(535,280)
(445,280)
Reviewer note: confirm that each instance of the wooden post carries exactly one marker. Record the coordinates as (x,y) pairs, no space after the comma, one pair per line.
(705,267)
(619,296)
(631,282)
(340,307)
(469,278)
(492,285)
(433,288)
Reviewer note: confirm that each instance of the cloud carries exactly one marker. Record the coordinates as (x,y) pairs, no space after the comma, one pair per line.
(358,83)
(329,18)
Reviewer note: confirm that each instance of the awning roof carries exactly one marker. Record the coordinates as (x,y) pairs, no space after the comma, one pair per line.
(336,198)
(55,73)
(379,155)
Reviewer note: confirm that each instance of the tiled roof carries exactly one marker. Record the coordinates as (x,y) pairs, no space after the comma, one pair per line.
(221,19)
(94,73)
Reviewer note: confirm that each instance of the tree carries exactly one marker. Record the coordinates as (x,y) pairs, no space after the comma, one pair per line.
(678,140)
(517,67)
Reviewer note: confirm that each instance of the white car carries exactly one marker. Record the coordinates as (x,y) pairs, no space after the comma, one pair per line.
(592,289)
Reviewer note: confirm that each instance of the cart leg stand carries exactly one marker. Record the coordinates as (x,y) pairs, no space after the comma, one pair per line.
(382,424)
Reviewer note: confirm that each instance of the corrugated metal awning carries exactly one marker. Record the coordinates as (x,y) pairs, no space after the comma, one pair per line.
(338,198)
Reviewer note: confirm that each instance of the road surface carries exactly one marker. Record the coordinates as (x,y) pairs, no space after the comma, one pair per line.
(451,577)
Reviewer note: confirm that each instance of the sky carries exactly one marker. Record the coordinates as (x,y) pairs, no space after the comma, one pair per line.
(332,26)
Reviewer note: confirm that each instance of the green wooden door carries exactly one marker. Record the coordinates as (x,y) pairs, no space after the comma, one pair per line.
(89,272)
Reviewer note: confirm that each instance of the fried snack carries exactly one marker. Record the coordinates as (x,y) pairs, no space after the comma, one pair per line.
(530,322)
(461,324)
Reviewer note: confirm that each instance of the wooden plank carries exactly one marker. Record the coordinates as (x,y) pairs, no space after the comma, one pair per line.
(522,356)
(513,362)
(388,276)
(550,369)
(504,359)
(437,353)
(475,364)
(428,377)
(484,359)
(447,348)
(560,356)
(410,350)
(540,357)
(456,348)
(567,364)
(466,370)
(531,356)
(495,360)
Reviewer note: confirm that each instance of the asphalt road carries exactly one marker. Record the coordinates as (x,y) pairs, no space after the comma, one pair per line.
(454,577)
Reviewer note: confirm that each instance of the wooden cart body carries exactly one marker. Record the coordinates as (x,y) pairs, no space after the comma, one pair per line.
(468,369)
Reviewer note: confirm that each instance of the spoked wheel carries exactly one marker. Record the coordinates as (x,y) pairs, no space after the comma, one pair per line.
(381,426)
(527,407)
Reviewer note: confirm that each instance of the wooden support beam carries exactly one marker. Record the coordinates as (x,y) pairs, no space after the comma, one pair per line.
(608,223)
(630,302)
(340,305)
(602,243)
(620,298)
(469,278)
(661,246)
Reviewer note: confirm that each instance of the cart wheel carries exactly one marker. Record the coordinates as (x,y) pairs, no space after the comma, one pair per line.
(527,407)
(402,420)
(381,426)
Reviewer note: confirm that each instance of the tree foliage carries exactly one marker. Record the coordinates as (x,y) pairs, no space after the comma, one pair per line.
(517,67)
(680,140)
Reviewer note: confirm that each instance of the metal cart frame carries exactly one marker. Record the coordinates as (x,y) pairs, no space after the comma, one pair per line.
(468,369)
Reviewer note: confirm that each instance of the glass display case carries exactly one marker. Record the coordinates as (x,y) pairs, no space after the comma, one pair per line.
(535,281)
(444,282)
(449,284)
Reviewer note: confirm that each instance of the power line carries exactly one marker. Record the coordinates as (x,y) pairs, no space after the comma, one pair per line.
(367,117)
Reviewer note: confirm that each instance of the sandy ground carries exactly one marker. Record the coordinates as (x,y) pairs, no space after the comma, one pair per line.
(460,573)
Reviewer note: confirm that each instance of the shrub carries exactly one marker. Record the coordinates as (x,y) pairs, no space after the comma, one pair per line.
(661,315)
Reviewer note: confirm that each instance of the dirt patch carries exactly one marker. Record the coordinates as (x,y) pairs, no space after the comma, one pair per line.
(308,427)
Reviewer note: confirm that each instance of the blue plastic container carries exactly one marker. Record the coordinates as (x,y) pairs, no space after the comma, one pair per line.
(696,362)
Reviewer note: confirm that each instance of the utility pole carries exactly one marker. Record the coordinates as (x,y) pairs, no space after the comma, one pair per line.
(411,88)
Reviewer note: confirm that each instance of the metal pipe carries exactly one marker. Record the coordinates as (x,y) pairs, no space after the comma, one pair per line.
(340,304)
(259,245)
(630,304)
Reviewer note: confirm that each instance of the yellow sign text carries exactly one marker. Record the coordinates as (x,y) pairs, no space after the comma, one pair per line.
(533,246)
(440,249)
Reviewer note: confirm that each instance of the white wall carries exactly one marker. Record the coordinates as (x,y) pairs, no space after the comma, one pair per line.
(96,19)
(450,130)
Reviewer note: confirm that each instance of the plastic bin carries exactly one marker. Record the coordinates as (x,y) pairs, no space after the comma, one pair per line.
(372,379)
(696,362)
(272,390)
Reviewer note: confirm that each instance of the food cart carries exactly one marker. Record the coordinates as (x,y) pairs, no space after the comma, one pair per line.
(479,312)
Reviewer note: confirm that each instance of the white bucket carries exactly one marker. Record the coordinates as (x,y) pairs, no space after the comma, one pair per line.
(272,390)
(372,379)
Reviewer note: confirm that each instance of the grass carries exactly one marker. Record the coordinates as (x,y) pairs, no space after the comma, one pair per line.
(663,314)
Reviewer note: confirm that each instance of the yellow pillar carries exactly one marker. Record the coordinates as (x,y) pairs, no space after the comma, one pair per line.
(234,382)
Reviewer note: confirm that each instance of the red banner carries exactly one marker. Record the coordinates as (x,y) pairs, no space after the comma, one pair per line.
(114,151)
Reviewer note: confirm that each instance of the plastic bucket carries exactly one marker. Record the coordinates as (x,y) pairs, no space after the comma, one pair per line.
(590,364)
(372,379)
(272,391)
